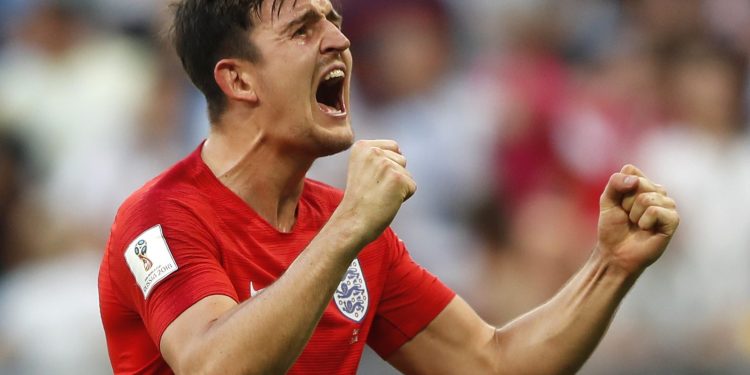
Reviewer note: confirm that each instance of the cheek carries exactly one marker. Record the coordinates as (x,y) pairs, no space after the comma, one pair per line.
(283,87)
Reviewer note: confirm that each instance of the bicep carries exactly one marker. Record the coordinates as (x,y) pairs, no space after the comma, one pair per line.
(180,337)
(457,341)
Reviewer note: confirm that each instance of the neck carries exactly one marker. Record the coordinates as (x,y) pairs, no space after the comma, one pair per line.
(268,180)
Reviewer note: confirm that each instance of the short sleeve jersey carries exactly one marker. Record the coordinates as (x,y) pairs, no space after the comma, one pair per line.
(184,236)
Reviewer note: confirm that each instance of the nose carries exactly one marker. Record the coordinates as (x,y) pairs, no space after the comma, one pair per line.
(334,40)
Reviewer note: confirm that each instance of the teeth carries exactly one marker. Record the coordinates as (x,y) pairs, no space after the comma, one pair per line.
(337,73)
(330,110)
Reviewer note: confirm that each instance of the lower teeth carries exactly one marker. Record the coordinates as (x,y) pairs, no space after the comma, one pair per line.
(328,109)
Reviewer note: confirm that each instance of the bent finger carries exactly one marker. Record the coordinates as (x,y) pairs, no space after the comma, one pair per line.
(385,144)
(645,200)
(632,169)
(660,219)
(619,184)
(411,187)
(644,186)
(396,157)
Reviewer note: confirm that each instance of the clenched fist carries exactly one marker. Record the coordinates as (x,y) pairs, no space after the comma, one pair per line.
(636,220)
(377,184)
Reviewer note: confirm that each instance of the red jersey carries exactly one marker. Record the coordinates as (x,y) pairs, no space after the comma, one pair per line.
(184,236)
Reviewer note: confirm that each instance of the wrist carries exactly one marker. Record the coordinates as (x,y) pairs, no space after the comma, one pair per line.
(613,267)
(347,230)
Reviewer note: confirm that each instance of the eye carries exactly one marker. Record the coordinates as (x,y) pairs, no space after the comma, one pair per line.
(302,31)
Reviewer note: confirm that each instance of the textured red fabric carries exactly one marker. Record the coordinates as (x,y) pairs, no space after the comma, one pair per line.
(221,245)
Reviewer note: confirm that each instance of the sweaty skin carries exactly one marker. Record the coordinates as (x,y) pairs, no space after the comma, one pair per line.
(637,219)
(272,131)
(267,139)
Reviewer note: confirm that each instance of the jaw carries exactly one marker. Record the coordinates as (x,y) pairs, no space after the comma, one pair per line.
(335,143)
(333,124)
(331,133)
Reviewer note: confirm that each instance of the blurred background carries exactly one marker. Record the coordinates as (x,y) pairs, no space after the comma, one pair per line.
(512,113)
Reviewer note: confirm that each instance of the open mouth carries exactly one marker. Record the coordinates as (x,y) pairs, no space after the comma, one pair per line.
(330,93)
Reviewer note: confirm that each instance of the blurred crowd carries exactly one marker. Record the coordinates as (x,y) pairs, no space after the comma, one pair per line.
(512,114)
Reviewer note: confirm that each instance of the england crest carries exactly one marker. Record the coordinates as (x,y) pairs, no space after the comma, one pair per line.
(351,295)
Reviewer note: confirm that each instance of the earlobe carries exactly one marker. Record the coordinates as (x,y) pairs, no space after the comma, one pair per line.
(235,83)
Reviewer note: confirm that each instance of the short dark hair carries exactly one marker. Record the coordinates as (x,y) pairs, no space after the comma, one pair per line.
(206,31)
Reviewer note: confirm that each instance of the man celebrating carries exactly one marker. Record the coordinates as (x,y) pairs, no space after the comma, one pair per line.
(232,262)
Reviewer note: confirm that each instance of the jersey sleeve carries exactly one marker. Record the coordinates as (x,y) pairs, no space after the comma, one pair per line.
(164,261)
(412,298)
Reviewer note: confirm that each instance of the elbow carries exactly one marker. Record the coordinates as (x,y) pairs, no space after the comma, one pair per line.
(192,366)
(206,363)
(218,362)
(519,355)
(497,363)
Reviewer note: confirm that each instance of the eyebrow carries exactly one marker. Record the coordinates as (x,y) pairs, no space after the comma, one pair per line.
(334,17)
(311,15)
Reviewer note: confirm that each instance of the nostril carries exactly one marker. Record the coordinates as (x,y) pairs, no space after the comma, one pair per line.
(347,42)
(335,41)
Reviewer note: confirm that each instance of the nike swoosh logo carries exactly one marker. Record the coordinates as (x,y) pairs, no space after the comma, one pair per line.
(254,292)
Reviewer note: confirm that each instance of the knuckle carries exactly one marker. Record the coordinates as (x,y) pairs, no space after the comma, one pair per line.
(383,165)
(652,187)
(670,202)
(652,211)
(399,178)
(633,170)
(644,199)
(614,177)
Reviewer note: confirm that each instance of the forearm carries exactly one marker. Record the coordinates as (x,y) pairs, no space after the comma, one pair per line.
(636,222)
(558,337)
(267,333)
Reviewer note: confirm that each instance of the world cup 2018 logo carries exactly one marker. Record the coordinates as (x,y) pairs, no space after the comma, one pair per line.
(140,251)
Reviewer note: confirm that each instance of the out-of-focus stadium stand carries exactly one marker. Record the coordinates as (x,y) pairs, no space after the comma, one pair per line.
(512,113)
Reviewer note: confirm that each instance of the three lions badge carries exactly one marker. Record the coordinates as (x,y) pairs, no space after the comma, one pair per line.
(351,295)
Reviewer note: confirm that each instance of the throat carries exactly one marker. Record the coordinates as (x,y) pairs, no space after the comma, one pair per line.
(271,185)
(286,218)
(275,201)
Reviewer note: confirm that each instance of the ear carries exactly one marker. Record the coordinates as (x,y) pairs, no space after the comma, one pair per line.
(235,80)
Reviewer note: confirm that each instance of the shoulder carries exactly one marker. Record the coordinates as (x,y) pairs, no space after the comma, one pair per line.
(173,197)
(163,224)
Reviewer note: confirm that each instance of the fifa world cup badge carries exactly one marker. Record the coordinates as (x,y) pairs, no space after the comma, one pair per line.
(149,259)
(140,251)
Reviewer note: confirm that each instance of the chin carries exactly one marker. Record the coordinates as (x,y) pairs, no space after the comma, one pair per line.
(324,138)
(334,145)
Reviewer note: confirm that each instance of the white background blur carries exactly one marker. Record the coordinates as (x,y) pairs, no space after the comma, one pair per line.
(513,113)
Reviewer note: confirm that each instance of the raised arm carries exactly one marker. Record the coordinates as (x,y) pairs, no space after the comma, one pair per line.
(267,333)
(636,222)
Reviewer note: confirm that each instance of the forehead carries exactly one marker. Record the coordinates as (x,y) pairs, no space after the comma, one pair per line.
(280,10)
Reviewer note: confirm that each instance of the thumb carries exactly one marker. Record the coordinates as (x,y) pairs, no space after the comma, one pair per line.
(619,184)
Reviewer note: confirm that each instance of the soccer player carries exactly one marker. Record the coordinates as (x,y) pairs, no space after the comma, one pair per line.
(232,262)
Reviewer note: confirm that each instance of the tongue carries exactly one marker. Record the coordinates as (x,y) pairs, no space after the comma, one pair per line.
(327,109)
